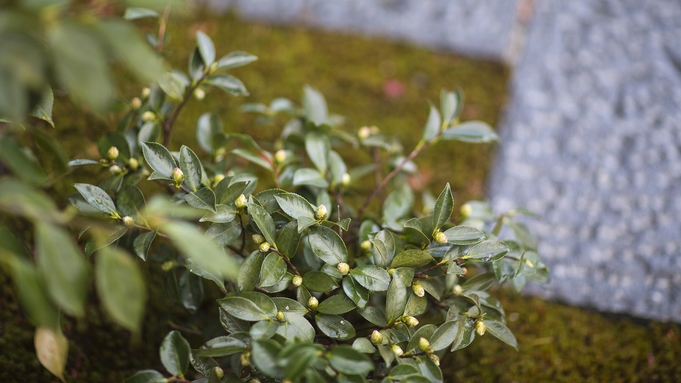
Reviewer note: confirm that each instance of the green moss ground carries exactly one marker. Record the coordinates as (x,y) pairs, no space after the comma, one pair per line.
(557,343)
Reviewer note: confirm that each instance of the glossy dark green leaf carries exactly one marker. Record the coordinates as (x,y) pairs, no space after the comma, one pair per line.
(425,331)
(130,201)
(288,240)
(304,223)
(146,376)
(349,361)
(318,146)
(223,214)
(429,369)
(266,360)
(319,281)
(174,352)
(120,286)
(311,177)
(337,167)
(191,290)
(295,206)
(336,304)
(222,346)
(402,371)
(206,47)
(396,299)
(20,162)
(207,126)
(471,131)
(466,336)
(374,315)
(203,198)
(263,330)
(286,305)
(443,208)
(97,197)
(334,326)
(224,234)
(159,159)
(356,292)
(263,221)
(487,251)
(191,167)
(398,204)
(249,306)
(446,334)
(314,106)
(232,324)
(432,125)
(296,326)
(363,345)
(235,60)
(372,277)
(203,365)
(384,248)
(501,332)
(229,84)
(412,258)
(142,244)
(273,269)
(44,109)
(91,246)
(173,85)
(464,235)
(81,162)
(232,191)
(415,305)
(327,245)
(62,266)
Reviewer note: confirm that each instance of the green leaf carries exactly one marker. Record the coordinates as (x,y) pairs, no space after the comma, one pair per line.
(231,193)
(304,223)
(142,244)
(203,199)
(81,162)
(20,199)
(223,214)
(402,371)
(471,131)
(327,245)
(130,201)
(286,305)
(288,240)
(81,64)
(337,167)
(273,270)
(336,304)
(222,346)
(295,206)
(32,292)
(432,125)
(356,292)
(501,332)
(192,168)
(384,248)
(443,208)
(250,271)
(159,159)
(480,282)
(312,177)
(334,326)
(374,315)
(258,160)
(120,286)
(190,289)
(206,254)
(372,277)
(415,305)
(318,146)
(396,299)
(134,13)
(147,376)
(52,350)
(487,251)
(412,258)
(319,281)
(253,307)
(62,266)
(21,161)
(224,234)
(446,334)
(464,235)
(229,84)
(131,49)
(398,204)
(44,110)
(202,365)
(206,47)
(266,360)
(296,326)
(91,246)
(235,60)
(429,369)
(364,346)
(173,85)
(349,361)
(267,199)
(314,106)
(97,197)
(175,353)
(207,126)
(263,221)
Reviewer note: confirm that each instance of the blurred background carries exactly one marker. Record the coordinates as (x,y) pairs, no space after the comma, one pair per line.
(586,95)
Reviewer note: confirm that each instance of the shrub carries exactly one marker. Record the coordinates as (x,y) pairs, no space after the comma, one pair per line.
(320,281)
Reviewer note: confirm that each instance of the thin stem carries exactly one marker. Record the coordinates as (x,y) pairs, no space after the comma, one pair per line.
(288,261)
(162,29)
(422,273)
(185,329)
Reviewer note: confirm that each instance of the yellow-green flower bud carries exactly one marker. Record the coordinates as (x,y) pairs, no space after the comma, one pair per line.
(434,358)
(321,213)
(424,345)
(178,176)
(391,271)
(440,237)
(411,321)
(112,154)
(457,290)
(199,93)
(363,133)
(217,179)
(241,202)
(343,268)
(128,221)
(115,169)
(480,327)
(148,116)
(168,265)
(218,371)
(397,350)
(280,316)
(297,280)
(418,290)
(135,103)
(376,337)
(312,303)
(146,92)
(345,180)
(280,156)
(246,355)
(366,245)
(133,164)
(264,247)
(258,239)
(466,210)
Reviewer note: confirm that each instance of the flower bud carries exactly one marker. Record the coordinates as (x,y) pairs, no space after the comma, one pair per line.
(264,247)
(345,180)
(343,268)
(148,116)
(280,156)
(133,164)
(424,345)
(376,337)
(297,280)
(241,202)
(312,303)
(466,210)
(391,271)
(135,103)
(321,213)
(363,133)
(115,169)
(411,321)
(280,316)
(218,372)
(434,358)
(440,237)
(246,356)
(374,130)
(128,221)
(112,154)
(465,272)
(199,93)
(397,350)
(418,290)
(366,245)
(178,176)
(480,327)
(258,239)
(218,178)
(146,92)
(457,290)
(167,265)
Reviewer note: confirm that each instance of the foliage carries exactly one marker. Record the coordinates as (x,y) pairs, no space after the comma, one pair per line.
(314,297)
